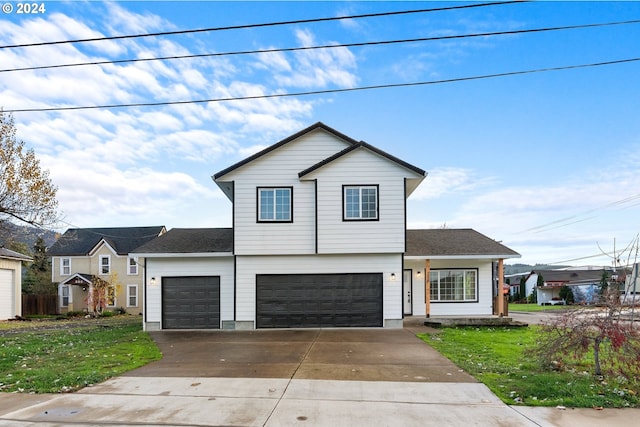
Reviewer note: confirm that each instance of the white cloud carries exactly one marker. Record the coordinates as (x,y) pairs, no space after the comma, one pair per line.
(447,180)
(318,68)
(114,166)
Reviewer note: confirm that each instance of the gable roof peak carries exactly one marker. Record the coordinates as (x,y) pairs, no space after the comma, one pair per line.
(313,127)
(363,144)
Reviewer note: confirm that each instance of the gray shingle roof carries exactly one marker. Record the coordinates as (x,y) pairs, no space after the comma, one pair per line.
(9,254)
(570,275)
(437,242)
(80,241)
(190,240)
(454,242)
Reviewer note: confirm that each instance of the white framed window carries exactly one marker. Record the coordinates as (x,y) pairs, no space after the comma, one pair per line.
(132,295)
(455,285)
(132,268)
(111,296)
(360,202)
(275,204)
(65,298)
(65,266)
(105,264)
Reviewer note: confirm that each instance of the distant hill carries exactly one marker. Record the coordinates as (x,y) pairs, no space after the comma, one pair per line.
(10,232)
(525,268)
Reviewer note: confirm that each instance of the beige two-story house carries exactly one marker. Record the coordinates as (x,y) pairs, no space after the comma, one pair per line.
(84,258)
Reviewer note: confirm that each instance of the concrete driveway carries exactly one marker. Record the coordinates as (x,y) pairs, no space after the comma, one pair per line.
(321,354)
(320,378)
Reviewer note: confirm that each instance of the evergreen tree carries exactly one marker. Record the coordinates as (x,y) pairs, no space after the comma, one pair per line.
(37,280)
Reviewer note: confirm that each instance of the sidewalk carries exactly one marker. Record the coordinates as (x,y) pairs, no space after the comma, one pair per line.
(155,401)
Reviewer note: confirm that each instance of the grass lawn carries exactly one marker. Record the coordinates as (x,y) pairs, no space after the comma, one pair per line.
(496,357)
(53,356)
(536,307)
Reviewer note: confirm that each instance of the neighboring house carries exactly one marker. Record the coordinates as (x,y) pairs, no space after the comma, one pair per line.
(82,257)
(318,240)
(11,283)
(584,283)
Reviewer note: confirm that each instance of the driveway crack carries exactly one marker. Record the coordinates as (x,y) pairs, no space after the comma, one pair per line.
(302,360)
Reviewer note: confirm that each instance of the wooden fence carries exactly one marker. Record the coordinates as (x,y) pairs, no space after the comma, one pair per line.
(39,304)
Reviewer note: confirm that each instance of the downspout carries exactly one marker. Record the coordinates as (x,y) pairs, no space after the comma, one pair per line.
(404,252)
(233,249)
(315,195)
(144,287)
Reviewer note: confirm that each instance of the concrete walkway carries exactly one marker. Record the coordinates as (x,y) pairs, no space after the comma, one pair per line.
(320,378)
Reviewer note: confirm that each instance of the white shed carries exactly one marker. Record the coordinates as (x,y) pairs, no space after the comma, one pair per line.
(11,283)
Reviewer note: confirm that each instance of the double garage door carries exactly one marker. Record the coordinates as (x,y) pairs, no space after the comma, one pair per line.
(319,300)
(191,302)
(282,301)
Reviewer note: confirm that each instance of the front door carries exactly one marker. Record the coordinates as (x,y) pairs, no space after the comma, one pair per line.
(406,292)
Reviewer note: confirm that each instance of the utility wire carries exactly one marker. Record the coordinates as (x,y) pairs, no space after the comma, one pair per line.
(562,222)
(323,92)
(266,24)
(292,49)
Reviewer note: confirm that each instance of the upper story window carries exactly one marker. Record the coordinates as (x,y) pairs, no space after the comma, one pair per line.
(105,264)
(274,204)
(132,268)
(65,266)
(454,285)
(360,202)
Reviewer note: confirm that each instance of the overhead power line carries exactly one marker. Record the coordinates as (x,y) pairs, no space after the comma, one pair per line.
(266,24)
(573,219)
(331,46)
(323,92)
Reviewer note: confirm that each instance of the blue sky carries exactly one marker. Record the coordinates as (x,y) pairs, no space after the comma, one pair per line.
(548,163)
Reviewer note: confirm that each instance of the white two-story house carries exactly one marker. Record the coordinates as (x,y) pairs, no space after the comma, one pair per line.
(318,240)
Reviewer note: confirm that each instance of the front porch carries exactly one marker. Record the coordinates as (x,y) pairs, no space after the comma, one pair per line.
(453,321)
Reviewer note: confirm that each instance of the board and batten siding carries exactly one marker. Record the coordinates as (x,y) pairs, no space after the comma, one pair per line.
(187,267)
(280,168)
(484,306)
(248,267)
(361,167)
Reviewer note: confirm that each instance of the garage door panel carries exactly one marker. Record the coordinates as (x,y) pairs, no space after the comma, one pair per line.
(319,300)
(7,294)
(191,302)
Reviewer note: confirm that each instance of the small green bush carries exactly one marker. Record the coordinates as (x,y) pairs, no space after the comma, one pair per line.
(106,314)
(76,314)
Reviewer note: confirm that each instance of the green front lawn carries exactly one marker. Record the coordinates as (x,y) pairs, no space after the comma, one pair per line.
(56,356)
(497,357)
(535,307)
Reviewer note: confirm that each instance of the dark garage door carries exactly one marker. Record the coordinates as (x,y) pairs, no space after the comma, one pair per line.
(191,302)
(319,300)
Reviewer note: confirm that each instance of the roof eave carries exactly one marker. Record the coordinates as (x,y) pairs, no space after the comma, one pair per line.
(462,256)
(182,254)
(318,125)
(421,173)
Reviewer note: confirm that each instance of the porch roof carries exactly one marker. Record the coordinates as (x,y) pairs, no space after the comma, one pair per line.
(450,243)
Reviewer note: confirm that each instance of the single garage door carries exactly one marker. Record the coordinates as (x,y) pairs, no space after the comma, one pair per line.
(319,300)
(7,294)
(191,302)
